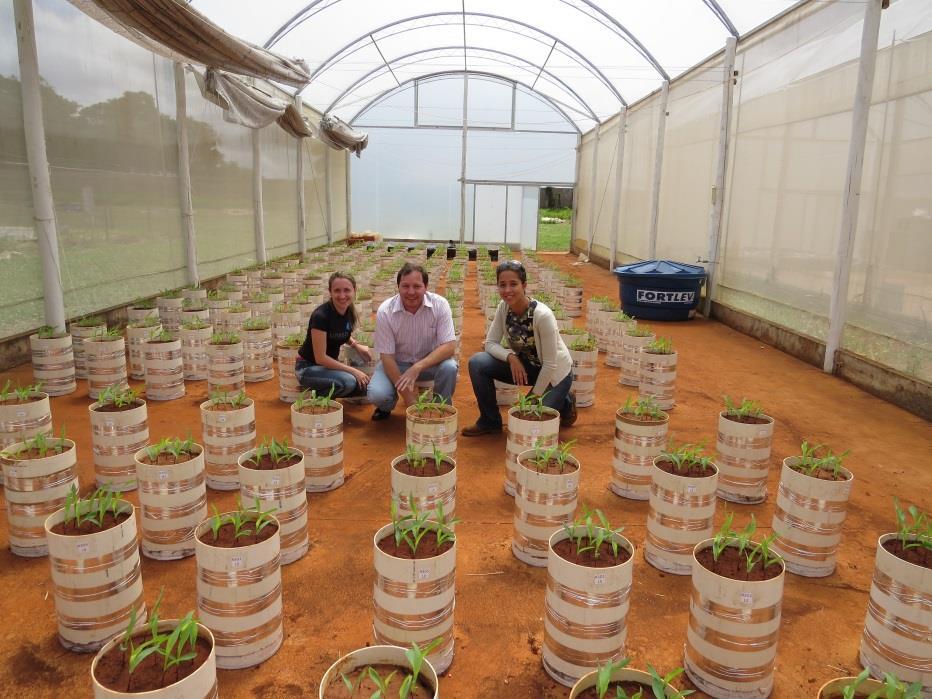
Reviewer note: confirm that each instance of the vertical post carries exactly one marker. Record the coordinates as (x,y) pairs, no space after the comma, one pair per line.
(328,194)
(299,177)
(349,195)
(463,162)
(852,191)
(257,214)
(658,173)
(184,175)
(575,195)
(43,204)
(594,186)
(721,159)
(619,166)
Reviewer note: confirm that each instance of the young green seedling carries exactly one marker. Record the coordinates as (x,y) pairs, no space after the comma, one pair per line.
(660,345)
(589,536)
(685,456)
(747,408)
(428,400)
(661,685)
(915,533)
(416,656)
(810,461)
(309,398)
(644,406)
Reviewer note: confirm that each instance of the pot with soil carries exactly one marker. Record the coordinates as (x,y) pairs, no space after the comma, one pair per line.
(898,625)
(632,342)
(605,682)
(317,430)
(545,500)
(426,480)
(239,585)
(194,313)
(734,615)
(383,660)
(38,474)
(415,585)
(812,502)
(137,335)
(119,428)
(585,358)
(141,308)
(682,507)
(217,302)
(164,367)
(640,435)
(169,304)
(505,393)
(228,429)
(617,325)
(431,423)
(257,350)
(530,424)
(572,297)
(859,687)
(195,335)
(658,372)
(81,330)
(587,598)
(53,361)
(96,573)
(225,369)
(24,413)
(745,435)
(172,496)
(273,474)
(260,307)
(167,673)
(286,320)
(233,317)
(289,388)
(105,358)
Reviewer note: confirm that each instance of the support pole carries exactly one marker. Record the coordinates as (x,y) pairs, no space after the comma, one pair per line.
(658,173)
(257,215)
(463,163)
(299,177)
(328,194)
(619,166)
(721,159)
(184,175)
(852,191)
(573,229)
(349,195)
(594,185)
(43,205)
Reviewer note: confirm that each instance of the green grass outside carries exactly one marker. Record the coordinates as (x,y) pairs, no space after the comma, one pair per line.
(554,236)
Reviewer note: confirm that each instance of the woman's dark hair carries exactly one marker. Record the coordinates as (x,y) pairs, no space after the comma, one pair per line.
(512,266)
(351,311)
(409,267)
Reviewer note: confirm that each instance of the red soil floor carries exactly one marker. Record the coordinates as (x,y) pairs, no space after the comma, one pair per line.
(500,601)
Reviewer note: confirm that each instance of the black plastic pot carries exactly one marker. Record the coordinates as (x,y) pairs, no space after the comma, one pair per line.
(472,254)
(430,251)
(493,255)
(451,252)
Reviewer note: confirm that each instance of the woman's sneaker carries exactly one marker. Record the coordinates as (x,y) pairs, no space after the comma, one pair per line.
(569,418)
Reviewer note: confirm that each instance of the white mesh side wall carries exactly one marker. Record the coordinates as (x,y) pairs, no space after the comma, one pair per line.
(637,180)
(315,192)
(582,195)
(338,193)
(605,189)
(279,197)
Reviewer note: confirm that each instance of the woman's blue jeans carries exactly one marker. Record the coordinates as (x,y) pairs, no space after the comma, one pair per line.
(320,379)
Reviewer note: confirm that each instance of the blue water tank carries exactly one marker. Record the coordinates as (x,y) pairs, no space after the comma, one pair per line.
(660,289)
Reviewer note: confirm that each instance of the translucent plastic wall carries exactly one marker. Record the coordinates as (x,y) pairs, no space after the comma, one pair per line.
(787,158)
(315,192)
(280,190)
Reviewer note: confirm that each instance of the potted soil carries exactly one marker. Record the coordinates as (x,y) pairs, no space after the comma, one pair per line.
(632,342)
(260,306)
(317,430)
(289,388)
(611,679)
(431,423)
(119,428)
(573,334)
(861,687)
(82,329)
(745,435)
(658,372)
(228,429)
(257,350)
(163,660)
(530,424)
(169,304)
(195,334)
(737,593)
(141,308)
(812,502)
(381,671)
(164,367)
(505,393)
(137,335)
(585,358)
(898,623)
(545,500)
(38,474)
(232,318)
(640,435)
(415,583)
(194,293)
(239,585)
(273,473)
(91,540)
(682,507)
(53,360)
(172,495)
(225,363)
(238,278)
(105,356)
(429,480)
(587,597)
(24,413)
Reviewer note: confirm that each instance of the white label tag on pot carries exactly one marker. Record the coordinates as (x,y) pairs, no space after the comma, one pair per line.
(570,482)
(691,489)
(762,433)
(83,548)
(108,424)
(747,599)
(276,481)
(442,429)
(221,418)
(598,579)
(318,424)
(14,473)
(236,562)
(20,413)
(163,475)
(535,431)
(423,574)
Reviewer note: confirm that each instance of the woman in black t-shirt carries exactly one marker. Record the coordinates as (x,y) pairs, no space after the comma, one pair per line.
(331,325)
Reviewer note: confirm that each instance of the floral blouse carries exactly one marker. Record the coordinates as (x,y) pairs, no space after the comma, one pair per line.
(520,330)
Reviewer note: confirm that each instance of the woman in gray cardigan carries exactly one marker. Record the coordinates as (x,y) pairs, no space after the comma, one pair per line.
(536,355)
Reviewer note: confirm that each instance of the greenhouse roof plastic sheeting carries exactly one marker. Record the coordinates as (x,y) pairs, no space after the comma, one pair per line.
(590,58)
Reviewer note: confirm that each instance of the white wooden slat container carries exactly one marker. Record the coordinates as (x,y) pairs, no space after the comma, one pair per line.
(136,313)
(105,358)
(216,306)
(586,610)
(194,352)
(590,680)
(414,600)
(231,320)
(631,358)
(226,367)
(658,378)
(289,387)
(170,312)
(194,294)
(137,335)
(195,314)
(116,436)
(164,370)
(34,489)
(96,581)
(585,366)
(505,393)
(53,364)
(226,435)
(571,298)
(22,421)
(173,501)
(544,502)
(319,436)
(428,490)
(374,655)
(257,355)
(743,459)
(79,334)
(636,444)
(527,434)
(239,598)
(429,432)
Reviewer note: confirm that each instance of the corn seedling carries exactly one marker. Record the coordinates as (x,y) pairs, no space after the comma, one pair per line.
(170,294)
(411,528)
(224,338)
(747,408)
(89,321)
(117,397)
(150,321)
(573,330)
(309,398)
(193,305)
(915,533)
(414,457)
(416,656)
(293,340)
(171,445)
(561,454)
(531,404)
(640,331)
(106,335)
(217,294)
(237,400)
(660,345)
(256,324)
(161,335)
(583,344)
(811,460)
(644,406)
(23,393)
(592,530)
(754,552)
(272,448)
(603,679)
(41,443)
(48,332)
(661,685)
(428,400)
(622,317)
(176,647)
(685,456)
(195,324)
(93,508)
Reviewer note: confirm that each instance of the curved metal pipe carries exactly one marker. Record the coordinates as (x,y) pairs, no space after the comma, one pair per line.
(723,17)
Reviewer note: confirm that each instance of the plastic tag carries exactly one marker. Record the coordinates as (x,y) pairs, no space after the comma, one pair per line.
(108,424)
(598,579)
(535,431)
(442,429)
(747,598)
(762,433)
(570,483)
(423,574)
(691,489)
(221,418)
(433,488)
(236,562)
(82,548)
(14,473)
(318,424)
(20,413)
(276,481)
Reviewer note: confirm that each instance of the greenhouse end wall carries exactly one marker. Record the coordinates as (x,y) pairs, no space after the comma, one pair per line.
(788,143)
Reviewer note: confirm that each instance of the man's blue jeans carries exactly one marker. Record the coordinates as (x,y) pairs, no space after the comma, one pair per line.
(382,391)
(484,369)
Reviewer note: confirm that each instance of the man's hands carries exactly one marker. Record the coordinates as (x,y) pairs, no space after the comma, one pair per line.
(518,372)
(405,385)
